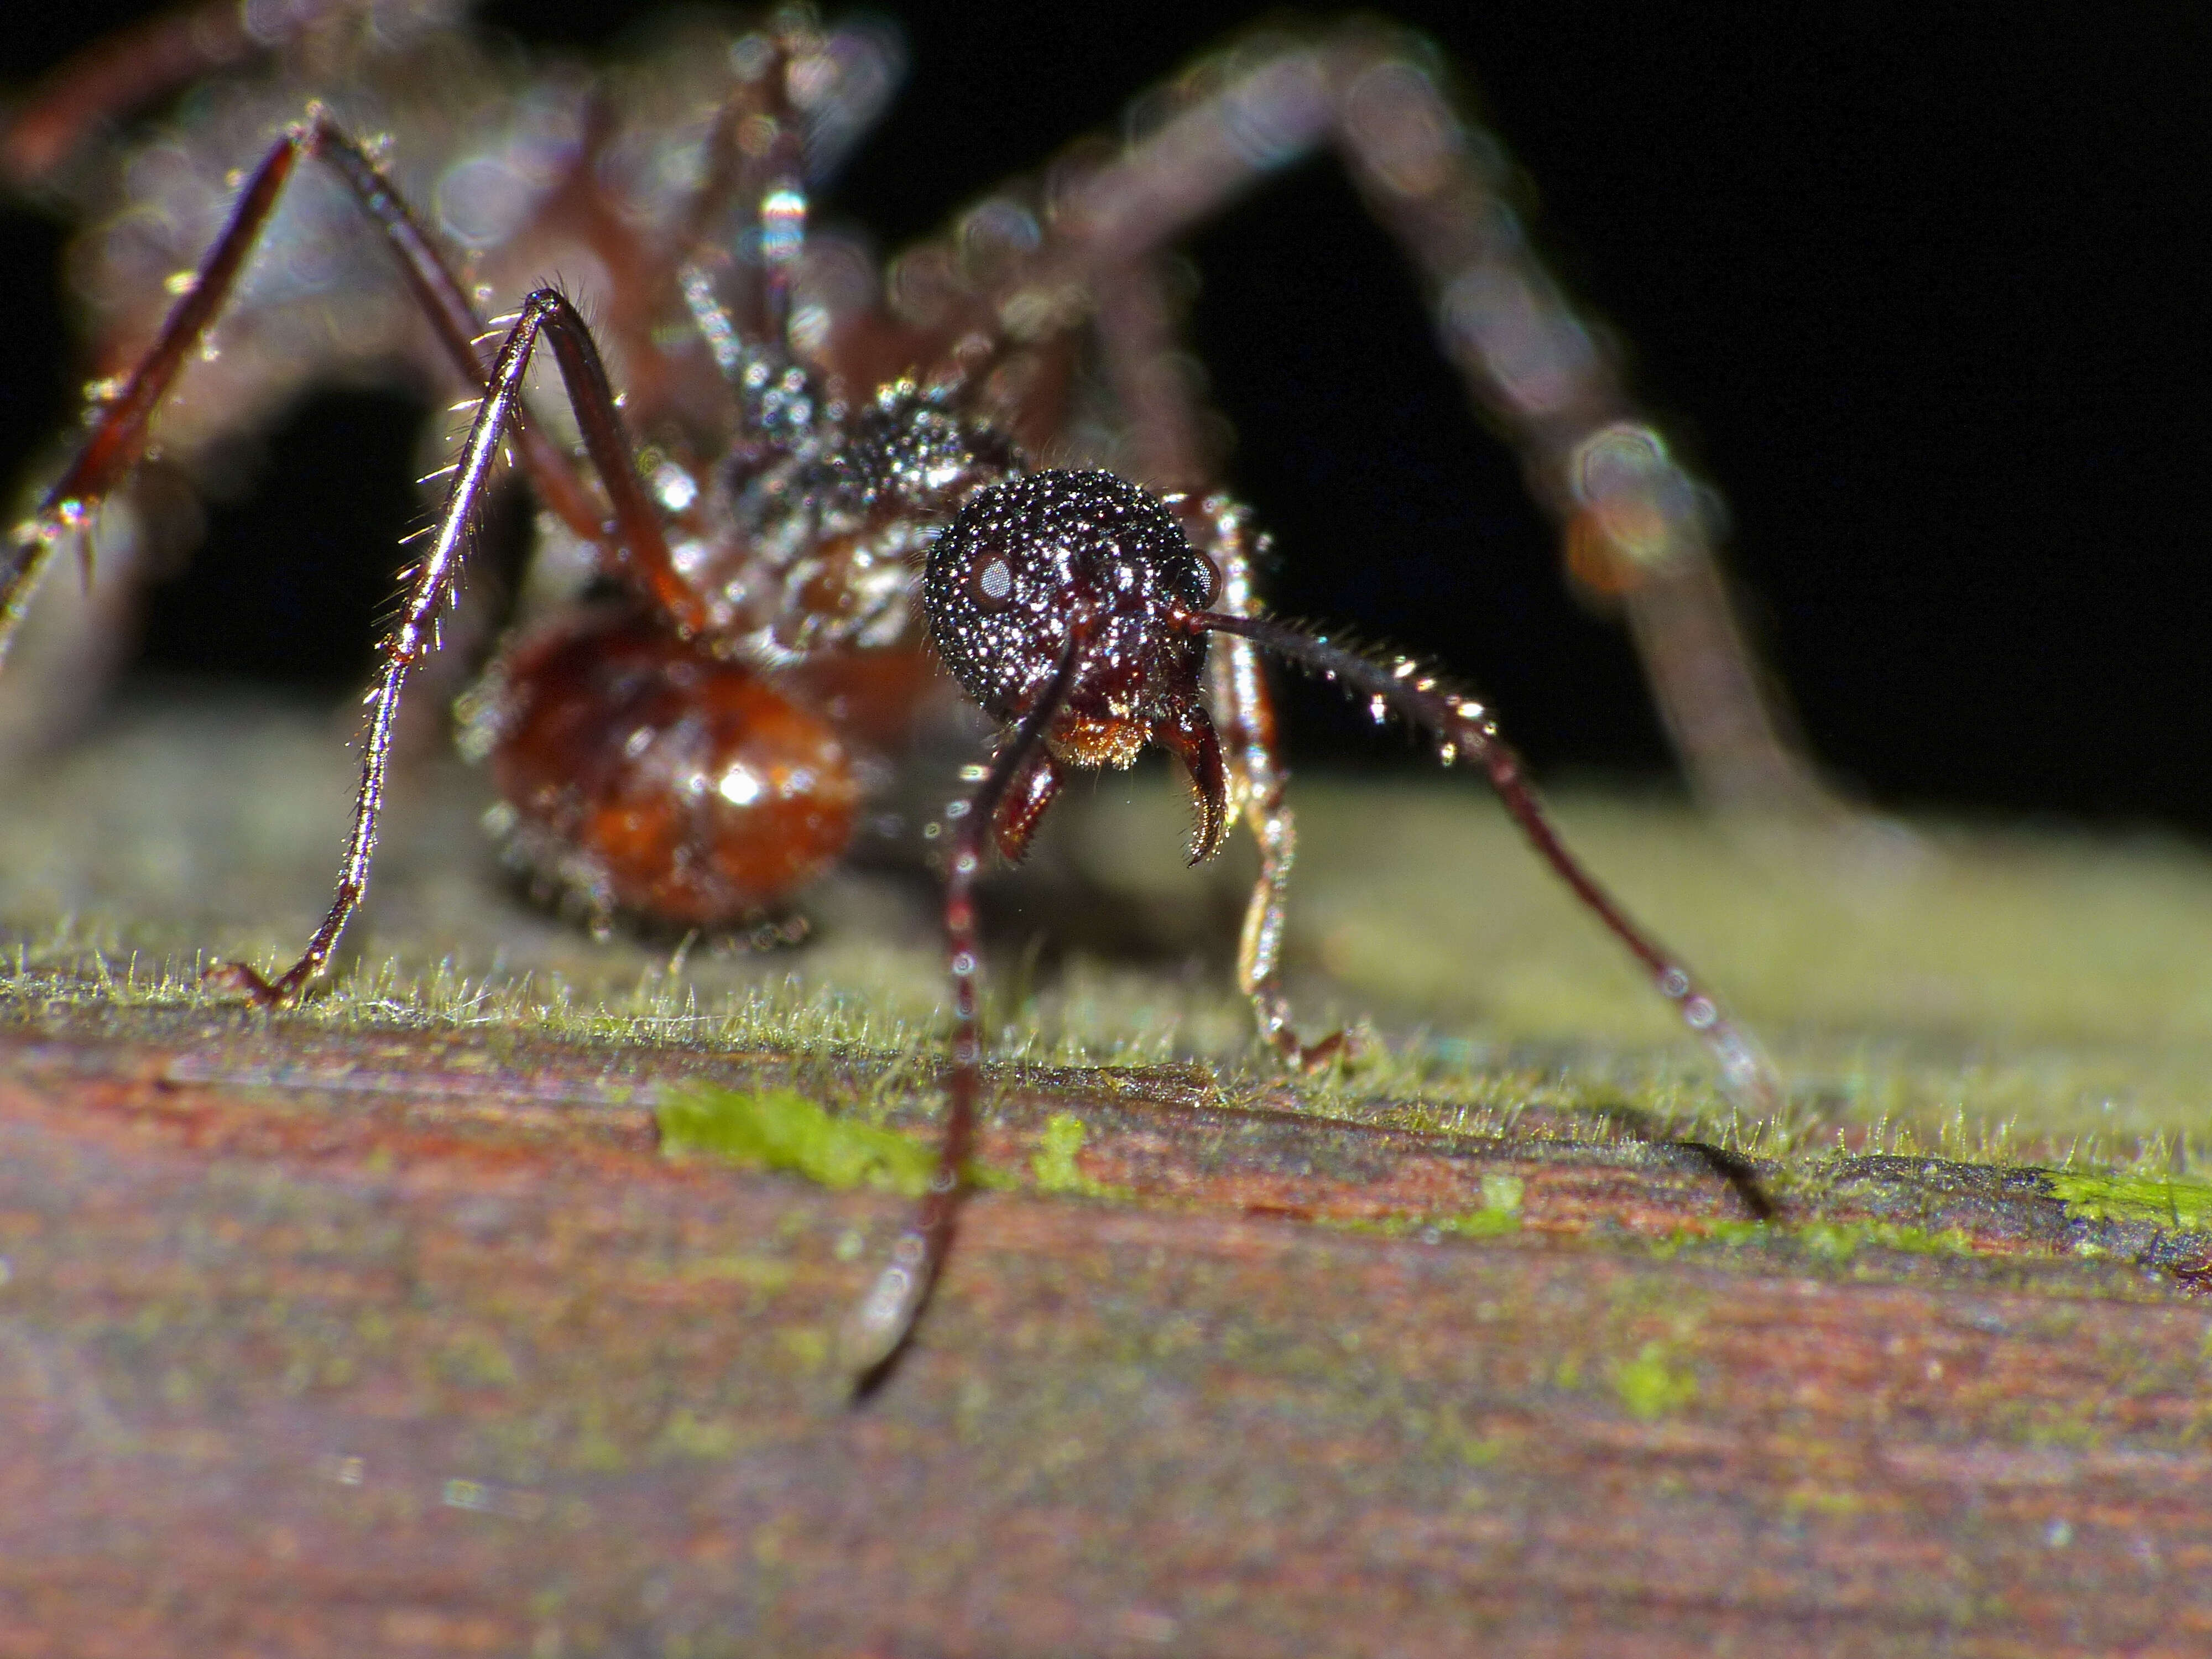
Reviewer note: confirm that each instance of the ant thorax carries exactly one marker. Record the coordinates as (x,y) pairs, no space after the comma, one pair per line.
(706,779)
(826,524)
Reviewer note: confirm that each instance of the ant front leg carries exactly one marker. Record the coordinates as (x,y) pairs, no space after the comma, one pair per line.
(634,530)
(880,1326)
(1165,436)
(1246,710)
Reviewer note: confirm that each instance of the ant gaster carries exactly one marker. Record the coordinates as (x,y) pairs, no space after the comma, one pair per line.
(693,748)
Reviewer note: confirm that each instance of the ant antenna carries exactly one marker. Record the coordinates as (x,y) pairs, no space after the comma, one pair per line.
(1462,726)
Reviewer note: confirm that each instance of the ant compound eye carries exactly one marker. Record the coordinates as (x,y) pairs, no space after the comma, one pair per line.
(1209,570)
(994,584)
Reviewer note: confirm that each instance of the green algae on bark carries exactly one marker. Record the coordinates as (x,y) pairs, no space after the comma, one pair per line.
(781,1129)
(2174,1201)
(1651,1385)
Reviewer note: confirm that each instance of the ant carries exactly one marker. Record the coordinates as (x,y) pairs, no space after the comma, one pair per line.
(843,494)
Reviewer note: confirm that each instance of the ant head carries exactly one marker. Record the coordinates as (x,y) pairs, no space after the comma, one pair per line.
(1026,560)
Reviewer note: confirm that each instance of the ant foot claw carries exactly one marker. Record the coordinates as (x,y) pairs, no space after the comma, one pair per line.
(237,976)
(1317,1056)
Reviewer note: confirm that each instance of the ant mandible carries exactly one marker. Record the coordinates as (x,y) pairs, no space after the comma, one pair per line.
(693,748)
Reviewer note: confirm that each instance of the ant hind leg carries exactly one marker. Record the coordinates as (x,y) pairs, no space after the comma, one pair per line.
(546,312)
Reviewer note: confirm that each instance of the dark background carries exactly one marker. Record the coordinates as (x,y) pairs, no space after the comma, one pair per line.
(1924,294)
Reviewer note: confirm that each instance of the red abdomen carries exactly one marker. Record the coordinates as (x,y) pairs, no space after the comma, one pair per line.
(646,776)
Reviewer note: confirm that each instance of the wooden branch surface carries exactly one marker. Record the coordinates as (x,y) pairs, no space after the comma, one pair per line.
(411,1342)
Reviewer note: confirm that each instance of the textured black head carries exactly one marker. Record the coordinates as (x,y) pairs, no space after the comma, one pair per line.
(1005,582)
